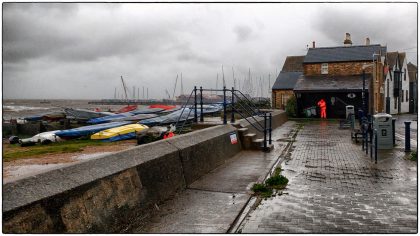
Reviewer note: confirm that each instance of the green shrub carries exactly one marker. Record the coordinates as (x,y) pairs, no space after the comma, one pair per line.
(291,107)
(261,189)
(413,156)
(277,182)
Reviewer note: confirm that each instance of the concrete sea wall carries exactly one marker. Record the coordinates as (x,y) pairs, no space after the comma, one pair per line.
(101,195)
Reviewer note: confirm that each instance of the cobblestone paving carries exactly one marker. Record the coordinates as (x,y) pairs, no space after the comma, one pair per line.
(335,188)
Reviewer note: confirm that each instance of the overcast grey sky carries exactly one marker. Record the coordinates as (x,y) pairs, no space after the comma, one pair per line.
(79,51)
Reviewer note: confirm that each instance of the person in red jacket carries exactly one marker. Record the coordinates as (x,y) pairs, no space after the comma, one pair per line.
(323,106)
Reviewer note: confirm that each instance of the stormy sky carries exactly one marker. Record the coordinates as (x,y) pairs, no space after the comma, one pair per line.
(80,50)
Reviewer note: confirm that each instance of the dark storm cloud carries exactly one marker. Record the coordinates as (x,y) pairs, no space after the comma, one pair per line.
(391,24)
(69,50)
(243,32)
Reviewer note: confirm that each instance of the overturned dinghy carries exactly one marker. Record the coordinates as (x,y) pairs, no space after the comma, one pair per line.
(171,118)
(83,114)
(88,130)
(119,133)
(43,138)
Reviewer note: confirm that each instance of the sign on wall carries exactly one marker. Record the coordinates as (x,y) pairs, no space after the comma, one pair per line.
(233,138)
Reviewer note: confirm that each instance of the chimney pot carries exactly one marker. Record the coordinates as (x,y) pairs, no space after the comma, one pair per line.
(313,44)
(347,40)
(367,42)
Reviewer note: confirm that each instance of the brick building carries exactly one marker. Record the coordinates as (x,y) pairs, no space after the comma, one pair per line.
(282,89)
(336,75)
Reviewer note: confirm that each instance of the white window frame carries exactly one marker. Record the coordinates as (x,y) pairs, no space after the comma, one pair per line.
(324,68)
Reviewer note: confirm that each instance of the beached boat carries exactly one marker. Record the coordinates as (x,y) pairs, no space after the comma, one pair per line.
(127,109)
(122,116)
(54,116)
(43,138)
(165,107)
(187,114)
(89,130)
(147,110)
(119,133)
(83,114)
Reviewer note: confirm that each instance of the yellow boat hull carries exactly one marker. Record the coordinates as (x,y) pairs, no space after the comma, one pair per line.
(118,131)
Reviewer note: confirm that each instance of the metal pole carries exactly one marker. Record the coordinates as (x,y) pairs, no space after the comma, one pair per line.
(195,104)
(265,131)
(376,146)
(366,141)
(224,106)
(371,146)
(269,128)
(363,94)
(201,105)
(393,130)
(407,136)
(232,117)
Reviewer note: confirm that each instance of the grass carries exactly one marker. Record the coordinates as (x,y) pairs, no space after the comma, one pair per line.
(15,151)
(277,181)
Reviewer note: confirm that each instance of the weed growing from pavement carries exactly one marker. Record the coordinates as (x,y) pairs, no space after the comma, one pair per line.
(413,156)
(277,182)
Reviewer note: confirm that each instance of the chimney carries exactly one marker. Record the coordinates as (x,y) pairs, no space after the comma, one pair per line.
(367,42)
(347,40)
(313,44)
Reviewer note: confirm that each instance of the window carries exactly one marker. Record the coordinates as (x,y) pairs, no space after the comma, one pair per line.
(402,95)
(405,73)
(406,95)
(395,103)
(324,68)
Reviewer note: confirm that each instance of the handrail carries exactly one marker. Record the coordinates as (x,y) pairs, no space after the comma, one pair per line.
(185,121)
(183,108)
(244,117)
(253,111)
(250,115)
(250,102)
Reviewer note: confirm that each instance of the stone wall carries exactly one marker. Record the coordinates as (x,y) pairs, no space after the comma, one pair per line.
(337,68)
(102,195)
(279,117)
(277,98)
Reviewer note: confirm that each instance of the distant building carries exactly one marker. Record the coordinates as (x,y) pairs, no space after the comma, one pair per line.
(282,89)
(412,90)
(396,83)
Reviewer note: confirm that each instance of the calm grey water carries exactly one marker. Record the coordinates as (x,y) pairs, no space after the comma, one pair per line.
(14,108)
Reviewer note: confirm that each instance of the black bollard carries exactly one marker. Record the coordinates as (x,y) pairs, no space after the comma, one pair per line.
(371,145)
(393,131)
(407,136)
(367,142)
(376,146)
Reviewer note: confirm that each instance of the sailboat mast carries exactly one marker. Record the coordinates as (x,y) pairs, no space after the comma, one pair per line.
(125,88)
(176,81)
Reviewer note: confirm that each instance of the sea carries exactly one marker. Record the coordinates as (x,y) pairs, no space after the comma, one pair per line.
(20,108)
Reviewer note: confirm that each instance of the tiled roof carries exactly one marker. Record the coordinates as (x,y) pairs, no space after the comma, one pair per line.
(343,54)
(412,71)
(391,58)
(293,64)
(286,80)
(331,83)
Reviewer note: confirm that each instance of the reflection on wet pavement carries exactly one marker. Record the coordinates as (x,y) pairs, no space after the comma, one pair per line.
(335,188)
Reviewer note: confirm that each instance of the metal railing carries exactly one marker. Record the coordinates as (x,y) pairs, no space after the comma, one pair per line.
(239,104)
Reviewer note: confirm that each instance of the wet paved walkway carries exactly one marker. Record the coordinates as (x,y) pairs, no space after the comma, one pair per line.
(212,203)
(334,188)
